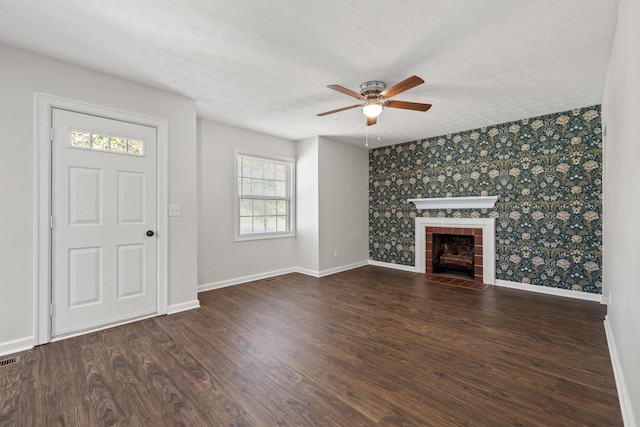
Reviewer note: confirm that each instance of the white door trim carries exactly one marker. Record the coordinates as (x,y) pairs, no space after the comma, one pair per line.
(43,104)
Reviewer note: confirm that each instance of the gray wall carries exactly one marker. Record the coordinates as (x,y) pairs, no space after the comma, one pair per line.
(307,201)
(331,208)
(621,271)
(343,195)
(221,259)
(21,75)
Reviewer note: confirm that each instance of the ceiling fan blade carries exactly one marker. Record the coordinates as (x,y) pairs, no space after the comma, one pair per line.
(371,120)
(408,105)
(400,87)
(346,91)
(338,110)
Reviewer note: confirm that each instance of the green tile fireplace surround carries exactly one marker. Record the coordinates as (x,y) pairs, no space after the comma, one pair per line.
(547,173)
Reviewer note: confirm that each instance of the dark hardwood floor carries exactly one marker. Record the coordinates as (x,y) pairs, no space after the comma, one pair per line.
(368,347)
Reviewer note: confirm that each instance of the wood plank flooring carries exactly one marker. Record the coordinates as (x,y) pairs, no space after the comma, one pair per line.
(367,347)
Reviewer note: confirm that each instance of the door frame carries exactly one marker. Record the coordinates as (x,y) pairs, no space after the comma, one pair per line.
(43,106)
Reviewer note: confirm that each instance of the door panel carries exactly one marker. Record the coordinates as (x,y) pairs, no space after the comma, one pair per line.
(130,270)
(85,283)
(130,197)
(85,187)
(103,203)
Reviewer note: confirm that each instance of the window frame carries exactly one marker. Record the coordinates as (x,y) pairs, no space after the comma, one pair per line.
(291,223)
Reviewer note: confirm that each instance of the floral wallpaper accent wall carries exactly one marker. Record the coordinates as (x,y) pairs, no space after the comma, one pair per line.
(547,172)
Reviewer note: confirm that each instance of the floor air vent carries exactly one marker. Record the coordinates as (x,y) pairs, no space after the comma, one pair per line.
(9,361)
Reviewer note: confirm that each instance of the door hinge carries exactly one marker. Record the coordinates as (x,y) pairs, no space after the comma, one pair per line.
(52,310)
(51,134)
(51,222)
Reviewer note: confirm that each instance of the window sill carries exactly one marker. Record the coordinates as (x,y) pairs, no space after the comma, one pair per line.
(265,236)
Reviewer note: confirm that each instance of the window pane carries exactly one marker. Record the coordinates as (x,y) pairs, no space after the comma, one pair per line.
(257,187)
(270,224)
(245,186)
(258,224)
(257,169)
(246,225)
(269,188)
(270,171)
(80,139)
(258,207)
(271,208)
(248,163)
(281,189)
(281,172)
(243,166)
(282,223)
(118,144)
(100,142)
(134,146)
(282,207)
(246,206)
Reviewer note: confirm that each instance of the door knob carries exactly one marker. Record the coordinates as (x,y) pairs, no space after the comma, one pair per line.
(150,233)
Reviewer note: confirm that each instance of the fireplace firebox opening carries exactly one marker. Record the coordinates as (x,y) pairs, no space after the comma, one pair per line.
(453,253)
(483,232)
(464,254)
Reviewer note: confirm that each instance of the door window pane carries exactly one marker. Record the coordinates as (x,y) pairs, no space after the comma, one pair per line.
(106,143)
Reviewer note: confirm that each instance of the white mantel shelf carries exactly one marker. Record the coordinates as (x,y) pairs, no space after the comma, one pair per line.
(476,202)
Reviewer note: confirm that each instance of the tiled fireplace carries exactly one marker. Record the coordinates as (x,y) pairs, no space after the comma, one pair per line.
(483,232)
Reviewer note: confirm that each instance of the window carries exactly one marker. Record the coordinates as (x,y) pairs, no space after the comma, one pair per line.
(265,191)
(100,142)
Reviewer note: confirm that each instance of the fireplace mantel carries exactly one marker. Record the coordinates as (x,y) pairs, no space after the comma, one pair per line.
(476,202)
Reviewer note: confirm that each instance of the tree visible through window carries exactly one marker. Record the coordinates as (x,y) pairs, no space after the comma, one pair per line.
(264,191)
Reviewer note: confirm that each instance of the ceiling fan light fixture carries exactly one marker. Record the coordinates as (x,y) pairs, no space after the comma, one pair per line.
(372,108)
(376,94)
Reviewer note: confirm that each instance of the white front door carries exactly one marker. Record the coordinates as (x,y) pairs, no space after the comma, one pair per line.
(103,222)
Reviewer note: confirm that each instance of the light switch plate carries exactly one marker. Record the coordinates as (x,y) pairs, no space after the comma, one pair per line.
(175,209)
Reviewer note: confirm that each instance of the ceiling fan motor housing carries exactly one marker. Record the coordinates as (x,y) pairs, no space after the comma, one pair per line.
(372,87)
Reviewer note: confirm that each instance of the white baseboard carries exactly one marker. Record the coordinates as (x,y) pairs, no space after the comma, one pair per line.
(514,285)
(184,306)
(323,273)
(307,272)
(253,277)
(28,343)
(342,268)
(409,268)
(315,273)
(549,290)
(244,279)
(621,386)
(15,346)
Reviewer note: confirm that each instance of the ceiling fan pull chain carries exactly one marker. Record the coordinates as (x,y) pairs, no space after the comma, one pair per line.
(366,136)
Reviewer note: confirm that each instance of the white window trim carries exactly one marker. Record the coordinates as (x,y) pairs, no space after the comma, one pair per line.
(292,207)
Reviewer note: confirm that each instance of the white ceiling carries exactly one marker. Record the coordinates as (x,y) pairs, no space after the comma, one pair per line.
(264,65)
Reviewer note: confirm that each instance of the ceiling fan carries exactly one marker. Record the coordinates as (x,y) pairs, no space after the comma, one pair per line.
(376,96)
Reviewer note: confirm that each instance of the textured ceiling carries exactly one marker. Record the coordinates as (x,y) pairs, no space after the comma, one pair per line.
(264,65)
